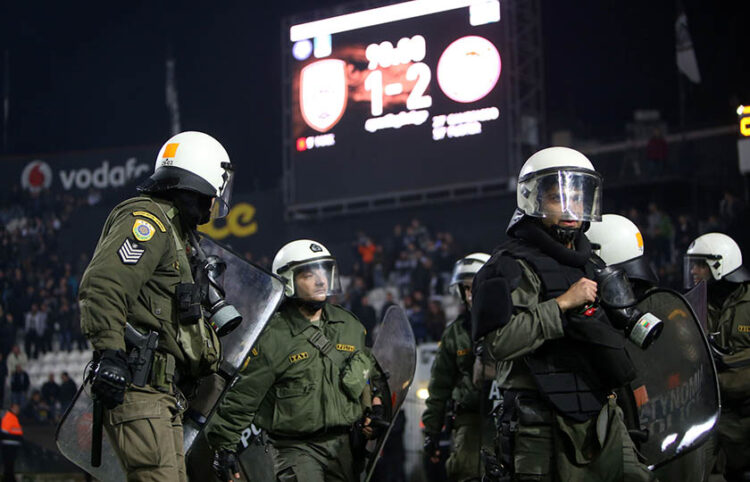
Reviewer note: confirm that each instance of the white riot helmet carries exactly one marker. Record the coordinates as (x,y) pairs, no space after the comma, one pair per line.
(562,179)
(617,240)
(714,256)
(305,256)
(196,162)
(465,269)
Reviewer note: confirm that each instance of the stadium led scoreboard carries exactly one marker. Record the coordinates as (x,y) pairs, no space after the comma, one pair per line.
(395,98)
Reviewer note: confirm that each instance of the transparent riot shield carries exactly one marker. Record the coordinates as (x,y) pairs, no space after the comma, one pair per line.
(676,391)
(74,438)
(396,352)
(256,295)
(698,299)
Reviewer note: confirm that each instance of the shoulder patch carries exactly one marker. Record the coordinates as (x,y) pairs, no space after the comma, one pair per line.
(143,230)
(298,357)
(130,252)
(148,215)
(342,347)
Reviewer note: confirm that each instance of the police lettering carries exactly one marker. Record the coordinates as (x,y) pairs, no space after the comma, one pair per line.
(298,357)
(743,328)
(341,347)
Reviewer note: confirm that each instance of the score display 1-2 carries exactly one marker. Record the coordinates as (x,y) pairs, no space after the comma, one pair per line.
(395,80)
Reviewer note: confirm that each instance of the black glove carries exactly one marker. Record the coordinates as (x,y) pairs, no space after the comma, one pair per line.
(225,464)
(431,447)
(111,378)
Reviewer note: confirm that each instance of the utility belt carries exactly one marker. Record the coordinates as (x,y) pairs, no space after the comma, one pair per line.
(519,407)
(328,432)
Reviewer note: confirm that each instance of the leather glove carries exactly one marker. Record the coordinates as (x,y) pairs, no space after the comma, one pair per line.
(225,465)
(111,378)
(431,447)
(378,421)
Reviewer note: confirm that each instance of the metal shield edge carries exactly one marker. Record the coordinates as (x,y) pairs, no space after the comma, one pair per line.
(404,389)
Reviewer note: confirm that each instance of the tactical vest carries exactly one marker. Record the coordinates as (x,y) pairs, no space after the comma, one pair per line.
(560,367)
(199,343)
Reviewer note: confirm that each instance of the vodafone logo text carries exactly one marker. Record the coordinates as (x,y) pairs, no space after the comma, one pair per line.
(37,175)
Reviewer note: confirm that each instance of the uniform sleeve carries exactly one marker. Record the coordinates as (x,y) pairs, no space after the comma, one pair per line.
(735,382)
(237,410)
(531,324)
(121,265)
(443,377)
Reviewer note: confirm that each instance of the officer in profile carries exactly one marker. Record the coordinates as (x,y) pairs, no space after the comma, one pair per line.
(139,265)
(716,259)
(451,383)
(559,356)
(306,381)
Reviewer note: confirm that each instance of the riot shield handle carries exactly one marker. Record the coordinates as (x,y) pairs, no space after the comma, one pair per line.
(96,433)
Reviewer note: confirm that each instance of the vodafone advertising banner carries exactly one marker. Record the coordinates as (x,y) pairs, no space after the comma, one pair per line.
(114,172)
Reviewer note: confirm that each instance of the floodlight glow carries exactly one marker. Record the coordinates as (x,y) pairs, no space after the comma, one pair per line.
(743,110)
(375,16)
(423,394)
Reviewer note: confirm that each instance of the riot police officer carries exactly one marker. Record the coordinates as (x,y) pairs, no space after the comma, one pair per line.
(716,259)
(559,356)
(306,380)
(451,382)
(139,264)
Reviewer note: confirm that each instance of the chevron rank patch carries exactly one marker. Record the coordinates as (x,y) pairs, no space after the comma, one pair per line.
(143,230)
(130,252)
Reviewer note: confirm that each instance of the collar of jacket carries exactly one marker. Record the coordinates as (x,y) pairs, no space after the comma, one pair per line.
(530,231)
(298,323)
(739,294)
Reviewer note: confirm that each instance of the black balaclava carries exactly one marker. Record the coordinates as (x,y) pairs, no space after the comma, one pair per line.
(194,208)
(311,306)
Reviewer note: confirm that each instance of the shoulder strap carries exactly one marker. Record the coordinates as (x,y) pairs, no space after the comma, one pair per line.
(324,345)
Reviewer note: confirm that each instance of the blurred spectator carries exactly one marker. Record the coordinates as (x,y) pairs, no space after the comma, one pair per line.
(19,385)
(7,334)
(12,439)
(368,318)
(366,250)
(35,329)
(402,272)
(16,357)
(51,391)
(730,208)
(660,232)
(68,390)
(685,234)
(435,320)
(416,318)
(36,409)
(64,324)
(656,152)
(388,303)
(3,378)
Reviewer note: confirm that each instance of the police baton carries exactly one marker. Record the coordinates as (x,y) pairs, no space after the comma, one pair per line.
(96,433)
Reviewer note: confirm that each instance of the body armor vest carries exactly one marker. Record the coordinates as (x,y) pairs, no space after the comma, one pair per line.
(563,368)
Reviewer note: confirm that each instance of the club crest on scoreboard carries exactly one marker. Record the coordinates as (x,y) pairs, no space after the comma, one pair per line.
(323,93)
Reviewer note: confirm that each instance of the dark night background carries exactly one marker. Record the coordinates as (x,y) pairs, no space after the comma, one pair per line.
(91,75)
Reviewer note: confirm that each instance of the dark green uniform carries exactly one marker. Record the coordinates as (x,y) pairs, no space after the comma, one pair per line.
(544,444)
(137,264)
(451,379)
(306,400)
(731,320)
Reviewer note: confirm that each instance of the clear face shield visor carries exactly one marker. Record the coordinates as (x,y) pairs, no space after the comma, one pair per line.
(316,280)
(570,194)
(221,204)
(696,268)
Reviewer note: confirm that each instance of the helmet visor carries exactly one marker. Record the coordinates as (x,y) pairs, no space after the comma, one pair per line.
(316,280)
(570,194)
(696,268)
(222,202)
